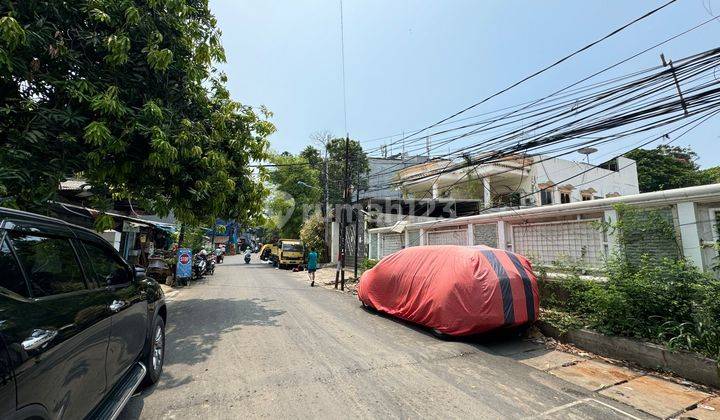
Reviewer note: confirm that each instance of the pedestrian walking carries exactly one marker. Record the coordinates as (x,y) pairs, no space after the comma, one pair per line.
(312,259)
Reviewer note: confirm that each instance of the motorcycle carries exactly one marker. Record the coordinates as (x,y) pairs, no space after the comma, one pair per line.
(199,266)
(210,261)
(247,258)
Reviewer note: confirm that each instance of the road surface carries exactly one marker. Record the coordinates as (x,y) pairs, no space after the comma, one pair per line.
(252,342)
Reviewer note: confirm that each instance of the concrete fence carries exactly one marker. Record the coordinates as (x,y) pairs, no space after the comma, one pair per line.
(569,233)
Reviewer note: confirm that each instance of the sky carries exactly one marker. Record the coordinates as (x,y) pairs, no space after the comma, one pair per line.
(409,63)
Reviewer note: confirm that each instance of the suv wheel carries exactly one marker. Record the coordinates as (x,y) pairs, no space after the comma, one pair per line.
(156,352)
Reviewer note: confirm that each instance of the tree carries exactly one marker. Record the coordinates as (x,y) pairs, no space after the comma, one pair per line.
(667,167)
(126,95)
(712,174)
(312,233)
(358,167)
(296,188)
(312,156)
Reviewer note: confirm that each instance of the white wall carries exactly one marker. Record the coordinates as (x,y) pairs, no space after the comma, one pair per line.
(562,172)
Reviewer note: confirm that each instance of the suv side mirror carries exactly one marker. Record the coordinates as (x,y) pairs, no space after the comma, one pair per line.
(140,273)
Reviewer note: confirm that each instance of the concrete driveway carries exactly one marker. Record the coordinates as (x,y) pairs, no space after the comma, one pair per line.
(252,341)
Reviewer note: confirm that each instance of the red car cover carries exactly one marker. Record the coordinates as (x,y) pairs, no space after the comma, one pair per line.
(457,290)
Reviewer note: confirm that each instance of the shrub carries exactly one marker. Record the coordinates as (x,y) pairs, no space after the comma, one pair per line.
(369,263)
(666,301)
(312,234)
(639,301)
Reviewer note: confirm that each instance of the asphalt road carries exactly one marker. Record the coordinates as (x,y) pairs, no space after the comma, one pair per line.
(252,341)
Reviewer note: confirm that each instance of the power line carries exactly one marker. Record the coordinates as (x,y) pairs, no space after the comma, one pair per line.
(568,87)
(626,104)
(543,70)
(532,103)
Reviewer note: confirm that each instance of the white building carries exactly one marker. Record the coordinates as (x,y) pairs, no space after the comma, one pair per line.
(519,180)
(569,233)
(382,174)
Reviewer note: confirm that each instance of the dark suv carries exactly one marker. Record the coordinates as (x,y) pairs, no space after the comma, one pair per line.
(79,328)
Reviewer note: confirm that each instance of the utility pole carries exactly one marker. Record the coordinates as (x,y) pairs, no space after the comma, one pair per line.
(356,213)
(326,203)
(343,219)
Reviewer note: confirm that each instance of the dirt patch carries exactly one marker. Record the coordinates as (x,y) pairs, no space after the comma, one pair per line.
(325,277)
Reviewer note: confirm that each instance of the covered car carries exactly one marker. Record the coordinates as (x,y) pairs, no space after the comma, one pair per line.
(454,290)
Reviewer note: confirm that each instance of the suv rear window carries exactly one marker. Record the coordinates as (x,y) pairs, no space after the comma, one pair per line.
(50,264)
(11,278)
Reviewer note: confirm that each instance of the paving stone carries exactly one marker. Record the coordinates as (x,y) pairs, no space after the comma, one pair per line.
(655,396)
(594,375)
(546,359)
(708,410)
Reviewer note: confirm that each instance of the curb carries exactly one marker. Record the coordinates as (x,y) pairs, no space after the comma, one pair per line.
(688,365)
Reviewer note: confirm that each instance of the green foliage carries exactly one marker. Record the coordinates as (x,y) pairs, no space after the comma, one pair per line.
(104,222)
(646,296)
(127,95)
(194,239)
(296,188)
(712,174)
(667,167)
(636,228)
(312,233)
(358,166)
(369,263)
(637,301)
(312,156)
(666,301)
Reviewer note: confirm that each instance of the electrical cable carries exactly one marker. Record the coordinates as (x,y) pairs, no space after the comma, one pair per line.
(544,69)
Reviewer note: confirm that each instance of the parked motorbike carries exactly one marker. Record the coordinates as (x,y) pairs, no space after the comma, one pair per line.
(210,260)
(247,257)
(199,266)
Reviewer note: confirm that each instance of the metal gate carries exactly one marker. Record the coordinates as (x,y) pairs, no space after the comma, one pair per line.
(447,237)
(570,241)
(391,242)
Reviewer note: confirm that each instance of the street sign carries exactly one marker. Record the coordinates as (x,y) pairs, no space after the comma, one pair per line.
(184,264)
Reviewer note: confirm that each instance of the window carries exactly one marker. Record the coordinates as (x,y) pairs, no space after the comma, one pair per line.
(611,165)
(546,196)
(50,264)
(715,223)
(291,247)
(564,197)
(11,279)
(586,197)
(104,266)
